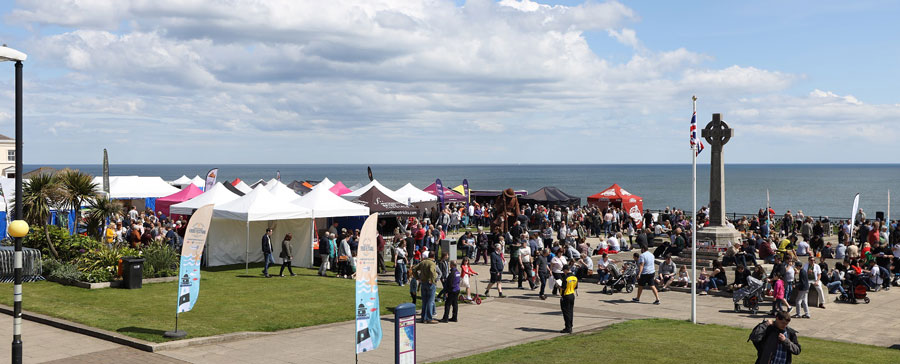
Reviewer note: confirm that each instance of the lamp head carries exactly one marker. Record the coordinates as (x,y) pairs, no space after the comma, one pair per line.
(18,228)
(9,54)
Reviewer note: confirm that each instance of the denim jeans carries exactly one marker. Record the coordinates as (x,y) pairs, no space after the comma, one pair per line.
(400,273)
(836,286)
(602,276)
(714,283)
(269,260)
(427,301)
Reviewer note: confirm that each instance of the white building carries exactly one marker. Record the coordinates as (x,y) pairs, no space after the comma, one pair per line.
(7,156)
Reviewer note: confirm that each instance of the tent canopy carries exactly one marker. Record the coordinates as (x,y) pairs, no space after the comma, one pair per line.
(282,192)
(187,193)
(385,206)
(619,197)
(324,203)
(339,189)
(260,205)
(230,186)
(449,195)
(376,185)
(550,196)
(299,187)
(218,194)
(412,194)
(134,187)
(236,181)
(199,182)
(181,181)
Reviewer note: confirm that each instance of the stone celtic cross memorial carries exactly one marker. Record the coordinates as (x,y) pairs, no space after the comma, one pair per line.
(718,234)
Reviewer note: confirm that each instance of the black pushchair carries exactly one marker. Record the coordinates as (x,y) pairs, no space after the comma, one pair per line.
(621,281)
(751,295)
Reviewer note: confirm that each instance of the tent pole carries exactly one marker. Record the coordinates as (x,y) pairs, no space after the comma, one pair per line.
(312,238)
(247,256)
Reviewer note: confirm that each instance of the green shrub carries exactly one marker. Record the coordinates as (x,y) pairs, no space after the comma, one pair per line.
(61,271)
(160,260)
(69,247)
(100,275)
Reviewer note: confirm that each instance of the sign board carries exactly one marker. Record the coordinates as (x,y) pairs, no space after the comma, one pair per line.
(405,334)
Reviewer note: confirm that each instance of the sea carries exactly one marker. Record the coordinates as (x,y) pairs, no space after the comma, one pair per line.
(816,189)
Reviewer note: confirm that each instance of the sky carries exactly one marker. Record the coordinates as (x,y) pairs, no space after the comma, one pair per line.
(435,81)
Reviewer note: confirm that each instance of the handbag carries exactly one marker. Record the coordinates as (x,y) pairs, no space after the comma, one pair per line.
(343,258)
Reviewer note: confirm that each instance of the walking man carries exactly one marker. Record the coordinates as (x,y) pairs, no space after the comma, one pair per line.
(427,275)
(648,270)
(267,251)
(775,342)
(325,254)
(496,270)
(452,287)
(567,299)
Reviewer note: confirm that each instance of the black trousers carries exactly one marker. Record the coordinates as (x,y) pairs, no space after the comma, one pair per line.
(567,304)
(524,275)
(451,303)
(381,262)
(544,279)
(286,263)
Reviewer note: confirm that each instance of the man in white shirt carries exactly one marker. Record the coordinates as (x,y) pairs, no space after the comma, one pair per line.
(613,242)
(802,248)
(526,268)
(647,269)
(815,282)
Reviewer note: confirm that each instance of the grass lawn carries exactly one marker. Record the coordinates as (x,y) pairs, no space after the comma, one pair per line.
(670,341)
(229,301)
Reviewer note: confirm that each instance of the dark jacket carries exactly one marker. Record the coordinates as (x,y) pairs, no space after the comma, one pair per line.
(286,252)
(765,339)
(266,244)
(496,262)
(453,281)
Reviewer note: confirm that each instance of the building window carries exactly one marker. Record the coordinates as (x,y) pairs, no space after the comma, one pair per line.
(11,155)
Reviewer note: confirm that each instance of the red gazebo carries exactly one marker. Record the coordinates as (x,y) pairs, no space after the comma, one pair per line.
(618,197)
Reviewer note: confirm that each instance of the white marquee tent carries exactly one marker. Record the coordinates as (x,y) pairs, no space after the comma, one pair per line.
(216,195)
(282,192)
(325,184)
(235,222)
(243,187)
(374,184)
(182,181)
(134,187)
(325,204)
(410,193)
(199,182)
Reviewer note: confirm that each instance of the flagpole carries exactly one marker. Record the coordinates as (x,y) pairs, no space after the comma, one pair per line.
(768,216)
(694,227)
(888,219)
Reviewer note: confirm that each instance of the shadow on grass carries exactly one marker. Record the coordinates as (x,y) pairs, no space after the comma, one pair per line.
(140,330)
(250,276)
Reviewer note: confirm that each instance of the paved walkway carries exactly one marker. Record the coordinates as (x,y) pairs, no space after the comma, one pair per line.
(497,323)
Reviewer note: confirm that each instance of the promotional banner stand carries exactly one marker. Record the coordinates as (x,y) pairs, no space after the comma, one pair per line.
(177,334)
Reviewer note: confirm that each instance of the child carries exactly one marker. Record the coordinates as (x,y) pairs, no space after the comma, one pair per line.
(683,278)
(778,298)
(466,271)
(702,279)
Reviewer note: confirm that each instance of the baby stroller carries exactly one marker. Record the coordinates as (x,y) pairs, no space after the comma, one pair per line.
(751,295)
(857,291)
(619,281)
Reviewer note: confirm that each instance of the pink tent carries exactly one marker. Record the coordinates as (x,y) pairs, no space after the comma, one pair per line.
(189,192)
(340,189)
(449,195)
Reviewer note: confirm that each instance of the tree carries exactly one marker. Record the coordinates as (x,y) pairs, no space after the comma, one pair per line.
(38,195)
(77,187)
(101,208)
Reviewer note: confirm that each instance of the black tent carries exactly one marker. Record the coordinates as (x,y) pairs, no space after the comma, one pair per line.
(298,187)
(549,196)
(383,205)
(231,188)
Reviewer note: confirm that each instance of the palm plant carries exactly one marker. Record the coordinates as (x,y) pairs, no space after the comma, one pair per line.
(39,194)
(78,187)
(101,208)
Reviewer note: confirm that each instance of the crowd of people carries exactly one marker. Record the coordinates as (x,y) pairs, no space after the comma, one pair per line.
(138,229)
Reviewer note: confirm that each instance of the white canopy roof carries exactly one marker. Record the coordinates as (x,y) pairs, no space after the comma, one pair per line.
(325,184)
(243,187)
(129,187)
(374,184)
(199,182)
(325,203)
(216,195)
(411,193)
(181,181)
(281,191)
(260,205)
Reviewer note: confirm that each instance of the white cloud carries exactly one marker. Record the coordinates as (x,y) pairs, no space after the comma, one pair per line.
(626,36)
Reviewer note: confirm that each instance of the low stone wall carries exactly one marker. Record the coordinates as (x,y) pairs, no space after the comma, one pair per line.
(113,284)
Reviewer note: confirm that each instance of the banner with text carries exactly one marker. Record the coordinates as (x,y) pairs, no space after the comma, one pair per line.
(191,251)
(368,307)
(211,179)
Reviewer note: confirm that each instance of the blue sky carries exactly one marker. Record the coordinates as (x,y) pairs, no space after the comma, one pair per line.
(434,81)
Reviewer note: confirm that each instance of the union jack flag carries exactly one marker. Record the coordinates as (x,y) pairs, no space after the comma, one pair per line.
(694,139)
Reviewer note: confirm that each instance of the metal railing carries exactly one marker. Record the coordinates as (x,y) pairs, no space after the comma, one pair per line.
(31,264)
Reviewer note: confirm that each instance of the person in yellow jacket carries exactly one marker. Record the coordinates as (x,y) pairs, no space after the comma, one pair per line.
(567,300)
(110,235)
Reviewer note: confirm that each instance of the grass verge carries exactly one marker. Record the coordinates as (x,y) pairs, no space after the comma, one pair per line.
(669,341)
(229,301)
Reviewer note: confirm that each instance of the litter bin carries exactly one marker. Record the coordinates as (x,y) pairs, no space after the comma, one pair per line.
(133,272)
(449,247)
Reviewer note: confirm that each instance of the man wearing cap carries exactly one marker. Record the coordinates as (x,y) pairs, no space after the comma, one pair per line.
(267,251)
